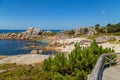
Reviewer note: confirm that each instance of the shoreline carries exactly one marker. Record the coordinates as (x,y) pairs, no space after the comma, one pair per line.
(63,45)
(59,43)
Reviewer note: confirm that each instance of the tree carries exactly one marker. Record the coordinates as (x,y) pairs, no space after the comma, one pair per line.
(71,32)
(85,30)
(97,26)
(109,25)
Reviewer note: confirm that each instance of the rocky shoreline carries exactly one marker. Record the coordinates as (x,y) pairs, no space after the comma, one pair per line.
(60,42)
(35,55)
(1,57)
(29,34)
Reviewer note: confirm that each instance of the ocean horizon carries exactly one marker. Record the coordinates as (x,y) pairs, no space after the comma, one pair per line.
(18,31)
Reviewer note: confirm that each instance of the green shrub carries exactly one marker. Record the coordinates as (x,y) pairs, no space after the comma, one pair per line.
(78,64)
(71,32)
(58,76)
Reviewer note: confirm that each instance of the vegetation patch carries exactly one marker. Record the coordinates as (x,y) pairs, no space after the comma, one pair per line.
(49,34)
(78,65)
(112,40)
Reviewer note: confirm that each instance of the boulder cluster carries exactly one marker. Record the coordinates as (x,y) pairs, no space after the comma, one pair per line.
(106,38)
(30,33)
(36,51)
(85,31)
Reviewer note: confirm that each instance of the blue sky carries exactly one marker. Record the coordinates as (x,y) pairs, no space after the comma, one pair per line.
(57,14)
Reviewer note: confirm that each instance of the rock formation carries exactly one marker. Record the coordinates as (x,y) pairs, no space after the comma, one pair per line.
(1,57)
(30,33)
(24,59)
(36,51)
(85,31)
(91,32)
(105,38)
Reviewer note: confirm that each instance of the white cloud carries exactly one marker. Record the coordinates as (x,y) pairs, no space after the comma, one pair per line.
(103,12)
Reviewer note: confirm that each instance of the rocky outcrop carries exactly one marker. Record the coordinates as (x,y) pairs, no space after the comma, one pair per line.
(102,39)
(85,31)
(91,32)
(85,42)
(33,31)
(30,33)
(1,57)
(36,52)
(24,59)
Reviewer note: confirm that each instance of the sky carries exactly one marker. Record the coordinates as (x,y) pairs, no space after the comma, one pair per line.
(57,14)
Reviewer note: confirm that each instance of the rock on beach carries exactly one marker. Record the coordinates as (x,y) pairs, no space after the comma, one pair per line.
(24,59)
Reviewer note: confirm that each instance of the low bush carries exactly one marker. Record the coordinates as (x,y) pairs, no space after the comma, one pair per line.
(78,64)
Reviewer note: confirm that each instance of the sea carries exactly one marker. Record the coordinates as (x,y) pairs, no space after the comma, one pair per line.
(16,47)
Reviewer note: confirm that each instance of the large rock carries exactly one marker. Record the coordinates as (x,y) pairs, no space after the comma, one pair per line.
(102,39)
(33,31)
(24,59)
(8,34)
(29,30)
(12,36)
(19,35)
(40,51)
(34,52)
(1,57)
(85,42)
(91,32)
(36,31)
(85,31)
(29,34)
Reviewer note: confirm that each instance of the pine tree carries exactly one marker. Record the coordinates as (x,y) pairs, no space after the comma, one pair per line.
(79,63)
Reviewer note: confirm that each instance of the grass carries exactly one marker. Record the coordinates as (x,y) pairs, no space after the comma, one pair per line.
(23,72)
(112,41)
(7,66)
(115,33)
(93,37)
